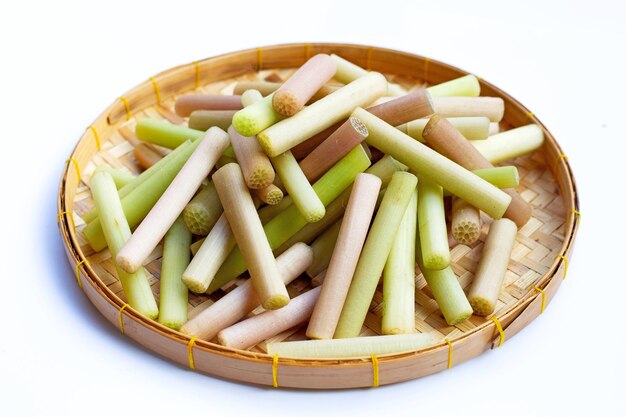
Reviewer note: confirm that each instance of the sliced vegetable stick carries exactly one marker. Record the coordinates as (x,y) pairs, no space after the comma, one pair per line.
(345,256)
(446,290)
(256,117)
(256,329)
(510,144)
(446,140)
(322,114)
(298,187)
(466,86)
(209,256)
(466,222)
(375,253)
(472,128)
(348,72)
(202,212)
(242,300)
(335,147)
(251,240)
(116,231)
(121,178)
(162,133)
(189,103)
(270,195)
(404,109)
(173,201)
(383,169)
(431,218)
(501,177)
(352,347)
(492,267)
(288,222)
(173,292)
(323,248)
(399,276)
(494,128)
(255,165)
(250,97)
(491,107)
(138,202)
(204,119)
(291,97)
(434,166)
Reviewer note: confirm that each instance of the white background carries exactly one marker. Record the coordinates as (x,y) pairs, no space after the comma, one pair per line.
(63,62)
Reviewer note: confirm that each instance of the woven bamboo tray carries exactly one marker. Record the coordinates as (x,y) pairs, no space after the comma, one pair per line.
(538,266)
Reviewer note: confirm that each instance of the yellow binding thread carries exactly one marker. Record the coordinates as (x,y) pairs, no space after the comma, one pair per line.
(259,59)
(499,327)
(275,371)
(530,114)
(449,353)
(543,298)
(73,161)
(121,317)
(368,65)
(190,346)
(126,106)
(375,371)
(69,215)
(307,50)
(426,61)
(157,92)
(576,212)
(197,65)
(95,136)
(80,282)
(566,262)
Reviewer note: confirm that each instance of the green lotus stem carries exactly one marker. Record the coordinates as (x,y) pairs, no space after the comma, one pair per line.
(432,225)
(121,178)
(352,347)
(383,169)
(510,144)
(290,221)
(433,166)
(162,133)
(92,214)
(203,210)
(173,292)
(138,203)
(298,187)
(256,117)
(473,128)
(374,254)
(323,248)
(348,72)
(116,232)
(467,86)
(399,276)
(501,177)
(446,289)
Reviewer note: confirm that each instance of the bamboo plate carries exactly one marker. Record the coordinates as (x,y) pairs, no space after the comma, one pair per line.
(539,261)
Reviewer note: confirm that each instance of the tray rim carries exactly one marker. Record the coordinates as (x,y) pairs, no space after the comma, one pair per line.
(513,319)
